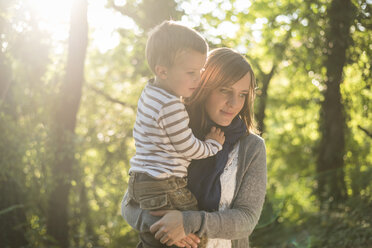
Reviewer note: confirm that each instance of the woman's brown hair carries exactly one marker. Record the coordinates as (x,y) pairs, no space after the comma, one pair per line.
(224,67)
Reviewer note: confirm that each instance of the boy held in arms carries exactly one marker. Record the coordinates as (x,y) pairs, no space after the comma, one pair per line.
(165,145)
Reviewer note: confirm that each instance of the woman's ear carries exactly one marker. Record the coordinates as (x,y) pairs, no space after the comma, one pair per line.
(161,71)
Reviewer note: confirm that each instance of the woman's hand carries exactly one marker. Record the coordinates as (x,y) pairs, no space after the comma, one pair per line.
(190,241)
(169,229)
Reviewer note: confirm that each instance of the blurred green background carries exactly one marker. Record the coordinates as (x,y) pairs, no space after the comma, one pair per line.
(70,76)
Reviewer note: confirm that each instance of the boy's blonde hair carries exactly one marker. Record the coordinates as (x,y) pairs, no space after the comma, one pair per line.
(168,39)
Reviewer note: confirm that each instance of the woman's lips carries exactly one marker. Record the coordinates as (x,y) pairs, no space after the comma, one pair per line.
(227,113)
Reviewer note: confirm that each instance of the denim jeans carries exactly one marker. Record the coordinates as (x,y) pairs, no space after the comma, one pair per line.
(159,194)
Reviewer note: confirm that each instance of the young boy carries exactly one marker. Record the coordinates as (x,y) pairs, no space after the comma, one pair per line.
(165,145)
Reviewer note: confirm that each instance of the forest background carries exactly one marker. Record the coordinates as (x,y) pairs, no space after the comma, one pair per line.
(70,76)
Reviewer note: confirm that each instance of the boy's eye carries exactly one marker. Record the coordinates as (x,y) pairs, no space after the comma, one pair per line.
(191,72)
(243,95)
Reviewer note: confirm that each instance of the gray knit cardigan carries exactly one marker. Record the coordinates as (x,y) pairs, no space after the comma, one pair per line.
(236,223)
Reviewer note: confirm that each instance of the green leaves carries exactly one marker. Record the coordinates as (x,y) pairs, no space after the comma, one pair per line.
(290,35)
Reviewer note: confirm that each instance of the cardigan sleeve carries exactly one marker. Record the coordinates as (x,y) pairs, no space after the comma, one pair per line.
(239,221)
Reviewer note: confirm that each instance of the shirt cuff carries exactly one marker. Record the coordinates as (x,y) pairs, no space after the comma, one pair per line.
(214,142)
(192,221)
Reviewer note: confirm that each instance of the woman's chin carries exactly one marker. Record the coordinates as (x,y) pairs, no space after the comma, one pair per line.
(223,122)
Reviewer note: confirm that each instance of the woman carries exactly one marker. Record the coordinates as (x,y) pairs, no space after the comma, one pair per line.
(230,187)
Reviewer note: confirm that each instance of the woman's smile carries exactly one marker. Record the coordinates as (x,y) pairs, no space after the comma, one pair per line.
(227,113)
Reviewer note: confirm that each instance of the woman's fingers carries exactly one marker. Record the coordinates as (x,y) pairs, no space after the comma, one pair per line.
(194,239)
(162,235)
(184,243)
(158,231)
(189,242)
(169,229)
(165,239)
(170,242)
(181,244)
(155,227)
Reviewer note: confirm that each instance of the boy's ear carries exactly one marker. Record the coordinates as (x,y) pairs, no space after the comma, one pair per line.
(161,71)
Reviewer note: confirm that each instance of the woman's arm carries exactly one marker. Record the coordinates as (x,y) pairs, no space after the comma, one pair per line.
(239,221)
(135,217)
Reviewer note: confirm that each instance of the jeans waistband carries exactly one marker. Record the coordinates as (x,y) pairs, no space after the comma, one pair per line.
(145,182)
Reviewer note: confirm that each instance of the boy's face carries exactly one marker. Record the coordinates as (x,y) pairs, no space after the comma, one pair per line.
(184,76)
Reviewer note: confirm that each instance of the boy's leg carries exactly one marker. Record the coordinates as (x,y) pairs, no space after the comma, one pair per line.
(182,199)
(154,195)
(141,221)
(150,194)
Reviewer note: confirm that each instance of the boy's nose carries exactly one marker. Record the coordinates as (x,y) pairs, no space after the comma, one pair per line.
(197,78)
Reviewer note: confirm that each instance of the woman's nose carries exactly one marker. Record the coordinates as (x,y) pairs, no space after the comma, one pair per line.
(232,100)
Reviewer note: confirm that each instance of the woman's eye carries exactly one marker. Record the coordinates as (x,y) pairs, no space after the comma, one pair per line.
(191,72)
(225,91)
(243,95)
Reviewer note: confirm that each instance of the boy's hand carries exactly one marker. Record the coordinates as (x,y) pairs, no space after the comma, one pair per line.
(217,135)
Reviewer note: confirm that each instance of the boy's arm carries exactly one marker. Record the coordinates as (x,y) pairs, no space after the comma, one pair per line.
(173,118)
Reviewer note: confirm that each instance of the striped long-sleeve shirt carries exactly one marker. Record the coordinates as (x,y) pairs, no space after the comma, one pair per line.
(165,145)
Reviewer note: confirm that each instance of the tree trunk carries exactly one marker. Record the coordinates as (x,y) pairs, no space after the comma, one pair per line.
(13,221)
(13,224)
(67,106)
(330,164)
(260,115)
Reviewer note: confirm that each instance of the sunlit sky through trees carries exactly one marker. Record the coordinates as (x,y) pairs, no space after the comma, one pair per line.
(53,17)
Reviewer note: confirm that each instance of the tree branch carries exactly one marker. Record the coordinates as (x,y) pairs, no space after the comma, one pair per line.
(109,98)
(365,131)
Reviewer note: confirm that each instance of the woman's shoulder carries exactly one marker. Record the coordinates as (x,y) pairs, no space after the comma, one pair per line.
(252,139)
(252,143)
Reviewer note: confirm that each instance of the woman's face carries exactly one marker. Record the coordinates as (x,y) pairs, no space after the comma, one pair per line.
(224,103)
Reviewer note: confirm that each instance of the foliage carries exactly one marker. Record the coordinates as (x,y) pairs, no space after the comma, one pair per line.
(287,34)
